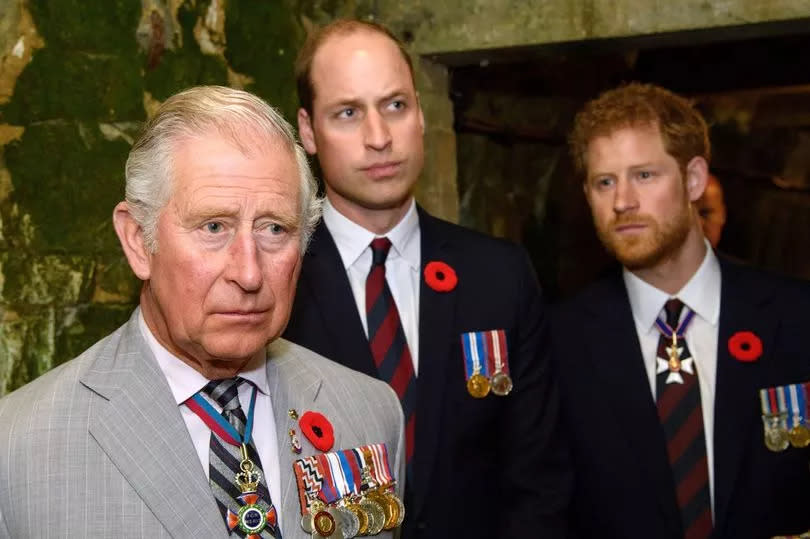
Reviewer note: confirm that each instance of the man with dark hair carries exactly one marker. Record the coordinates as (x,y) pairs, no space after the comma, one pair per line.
(452,319)
(683,376)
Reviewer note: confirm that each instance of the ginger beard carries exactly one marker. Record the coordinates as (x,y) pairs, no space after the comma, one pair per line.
(659,241)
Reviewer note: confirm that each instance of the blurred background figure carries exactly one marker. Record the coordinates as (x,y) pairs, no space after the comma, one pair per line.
(712,210)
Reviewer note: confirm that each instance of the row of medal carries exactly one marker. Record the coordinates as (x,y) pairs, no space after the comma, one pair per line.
(486,363)
(784,416)
(348,493)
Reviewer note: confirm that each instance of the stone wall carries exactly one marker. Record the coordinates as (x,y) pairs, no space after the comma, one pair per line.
(77,78)
(76,81)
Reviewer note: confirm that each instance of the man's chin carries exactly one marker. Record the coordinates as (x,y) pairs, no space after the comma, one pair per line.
(637,256)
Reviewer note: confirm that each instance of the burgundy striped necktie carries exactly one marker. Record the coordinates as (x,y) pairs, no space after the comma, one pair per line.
(681,415)
(387,340)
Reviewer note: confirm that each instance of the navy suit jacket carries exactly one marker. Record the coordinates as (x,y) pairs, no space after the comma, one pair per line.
(491,467)
(624,488)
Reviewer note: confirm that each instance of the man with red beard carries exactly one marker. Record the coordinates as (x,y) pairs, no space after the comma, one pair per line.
(661,364)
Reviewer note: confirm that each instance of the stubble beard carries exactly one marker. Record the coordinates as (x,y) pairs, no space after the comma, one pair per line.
(659,242)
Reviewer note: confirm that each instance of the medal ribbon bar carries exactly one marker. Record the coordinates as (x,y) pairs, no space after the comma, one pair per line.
(475,359)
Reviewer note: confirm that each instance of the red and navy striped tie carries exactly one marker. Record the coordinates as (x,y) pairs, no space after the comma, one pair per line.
(388,344)
(681,415)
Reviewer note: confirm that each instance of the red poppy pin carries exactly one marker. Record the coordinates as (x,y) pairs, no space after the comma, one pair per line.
(318,430)
(440,277)
(745,346)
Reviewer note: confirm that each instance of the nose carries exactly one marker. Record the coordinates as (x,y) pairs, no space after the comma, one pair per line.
(243,265)
(625,196)
(376,133)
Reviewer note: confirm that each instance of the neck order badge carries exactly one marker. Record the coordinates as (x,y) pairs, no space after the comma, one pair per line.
(254,516)
(673,362)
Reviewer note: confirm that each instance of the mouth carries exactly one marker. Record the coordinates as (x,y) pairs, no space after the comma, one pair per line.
(244,317)
(629,228)
(383,170)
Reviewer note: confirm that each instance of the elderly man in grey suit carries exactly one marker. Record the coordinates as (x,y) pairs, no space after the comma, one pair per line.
(194,419)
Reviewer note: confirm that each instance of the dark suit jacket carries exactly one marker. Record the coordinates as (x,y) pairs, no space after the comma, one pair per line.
(624,488)
(491,467)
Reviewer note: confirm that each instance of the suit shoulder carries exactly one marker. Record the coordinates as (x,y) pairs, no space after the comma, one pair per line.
(327,369)
(783,288)
(604,289)
(469,237)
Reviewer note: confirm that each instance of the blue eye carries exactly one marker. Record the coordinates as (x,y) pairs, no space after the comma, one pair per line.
(645,174)
(397,104)
(213,227)
(346,113)
(276,228)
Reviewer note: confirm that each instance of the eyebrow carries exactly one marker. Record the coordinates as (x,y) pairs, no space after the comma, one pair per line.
(207,214)
(358,103)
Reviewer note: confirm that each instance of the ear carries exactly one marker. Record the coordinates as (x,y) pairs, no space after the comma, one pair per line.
(130,235)
(305,132)
(697,177)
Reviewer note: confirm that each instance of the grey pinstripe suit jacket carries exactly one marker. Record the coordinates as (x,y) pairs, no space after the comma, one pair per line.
(97,446)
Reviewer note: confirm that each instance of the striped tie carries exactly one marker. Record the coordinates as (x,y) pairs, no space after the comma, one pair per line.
(224,458)
(681,415)
(387,340)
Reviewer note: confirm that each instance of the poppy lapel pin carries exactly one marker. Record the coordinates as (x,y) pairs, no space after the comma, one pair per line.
(318,430)
(745,346)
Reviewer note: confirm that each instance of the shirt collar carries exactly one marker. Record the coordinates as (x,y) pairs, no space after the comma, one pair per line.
(352,239)
(185,381)
(701,293)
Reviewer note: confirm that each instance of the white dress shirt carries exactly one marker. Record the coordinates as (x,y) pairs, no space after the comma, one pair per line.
(185,382)
(401,267)
(702,295)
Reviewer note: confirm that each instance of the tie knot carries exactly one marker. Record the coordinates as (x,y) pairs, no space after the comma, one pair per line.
(673,308)
(224,392)
(379,251)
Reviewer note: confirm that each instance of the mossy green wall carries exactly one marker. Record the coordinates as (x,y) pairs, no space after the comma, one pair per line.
(77,78)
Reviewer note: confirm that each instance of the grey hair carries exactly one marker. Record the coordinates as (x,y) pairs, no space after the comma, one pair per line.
(194,112)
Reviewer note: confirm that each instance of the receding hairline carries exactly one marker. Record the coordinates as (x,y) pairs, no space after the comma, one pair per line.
(333,39)
(341,28)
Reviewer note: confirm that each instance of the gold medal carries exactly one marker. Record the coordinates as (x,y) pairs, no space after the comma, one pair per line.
(324,523)
(362,517)
(501,384)
(390,509)
(478,386)
(799,436)
(399,511)
(674,356)
(376,515)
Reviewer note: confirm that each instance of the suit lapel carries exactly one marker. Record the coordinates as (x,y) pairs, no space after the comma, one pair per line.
(743,307)
(436,338)
(329,286)
(616,360)
(293,386)
(140,428)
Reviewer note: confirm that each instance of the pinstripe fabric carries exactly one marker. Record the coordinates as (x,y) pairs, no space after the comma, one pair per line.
(97,447)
